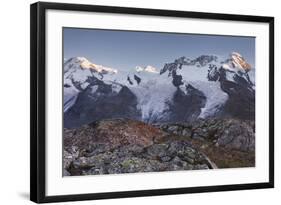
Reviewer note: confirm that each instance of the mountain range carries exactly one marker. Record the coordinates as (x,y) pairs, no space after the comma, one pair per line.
(184,90)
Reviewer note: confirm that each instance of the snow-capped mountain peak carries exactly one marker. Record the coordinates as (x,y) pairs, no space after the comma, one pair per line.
(98,68)
(236,62)
(84,63)
(148,68)
(79,73)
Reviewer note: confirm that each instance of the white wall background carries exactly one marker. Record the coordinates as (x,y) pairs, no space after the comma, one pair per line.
(14,101)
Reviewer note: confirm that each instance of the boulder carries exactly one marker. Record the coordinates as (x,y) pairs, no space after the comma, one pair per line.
(230,133)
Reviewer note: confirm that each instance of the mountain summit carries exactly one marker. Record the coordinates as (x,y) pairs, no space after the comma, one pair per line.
(86,64)
(148,68)
(237,62)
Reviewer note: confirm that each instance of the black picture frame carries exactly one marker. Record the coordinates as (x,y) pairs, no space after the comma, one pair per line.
(38,101)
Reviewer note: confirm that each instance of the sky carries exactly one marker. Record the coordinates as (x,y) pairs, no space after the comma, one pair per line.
(124,50)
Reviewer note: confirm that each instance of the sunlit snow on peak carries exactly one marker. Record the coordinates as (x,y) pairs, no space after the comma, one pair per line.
(236,62)
(85,64)
(149,69)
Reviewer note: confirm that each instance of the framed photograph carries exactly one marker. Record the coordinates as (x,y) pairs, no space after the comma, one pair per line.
(129,102)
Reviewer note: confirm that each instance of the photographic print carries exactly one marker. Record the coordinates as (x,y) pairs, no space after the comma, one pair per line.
(136,101)
(145,102)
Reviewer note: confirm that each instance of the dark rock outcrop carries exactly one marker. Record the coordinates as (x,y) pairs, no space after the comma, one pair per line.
(137,78)
(229,143)
(178,63)
(241,95)
(229,133)
(241,101)
(186,107)
(104,103)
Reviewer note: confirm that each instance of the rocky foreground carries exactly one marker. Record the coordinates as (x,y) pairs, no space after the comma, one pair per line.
(128,146)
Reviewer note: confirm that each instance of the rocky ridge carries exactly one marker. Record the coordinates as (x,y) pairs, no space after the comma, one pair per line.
(229,133)
(127,146)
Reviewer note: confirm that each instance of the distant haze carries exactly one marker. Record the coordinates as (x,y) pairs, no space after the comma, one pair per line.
(124,50)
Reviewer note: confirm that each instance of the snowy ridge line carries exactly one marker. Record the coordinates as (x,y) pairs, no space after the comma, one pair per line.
(155,89)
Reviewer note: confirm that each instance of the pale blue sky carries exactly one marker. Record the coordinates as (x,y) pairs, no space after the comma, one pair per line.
(124,50)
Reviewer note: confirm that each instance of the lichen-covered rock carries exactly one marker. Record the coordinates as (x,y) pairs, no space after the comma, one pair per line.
(65,173)
(69,157)
(229,133)
(168,156)
(127,146)
(112,133)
